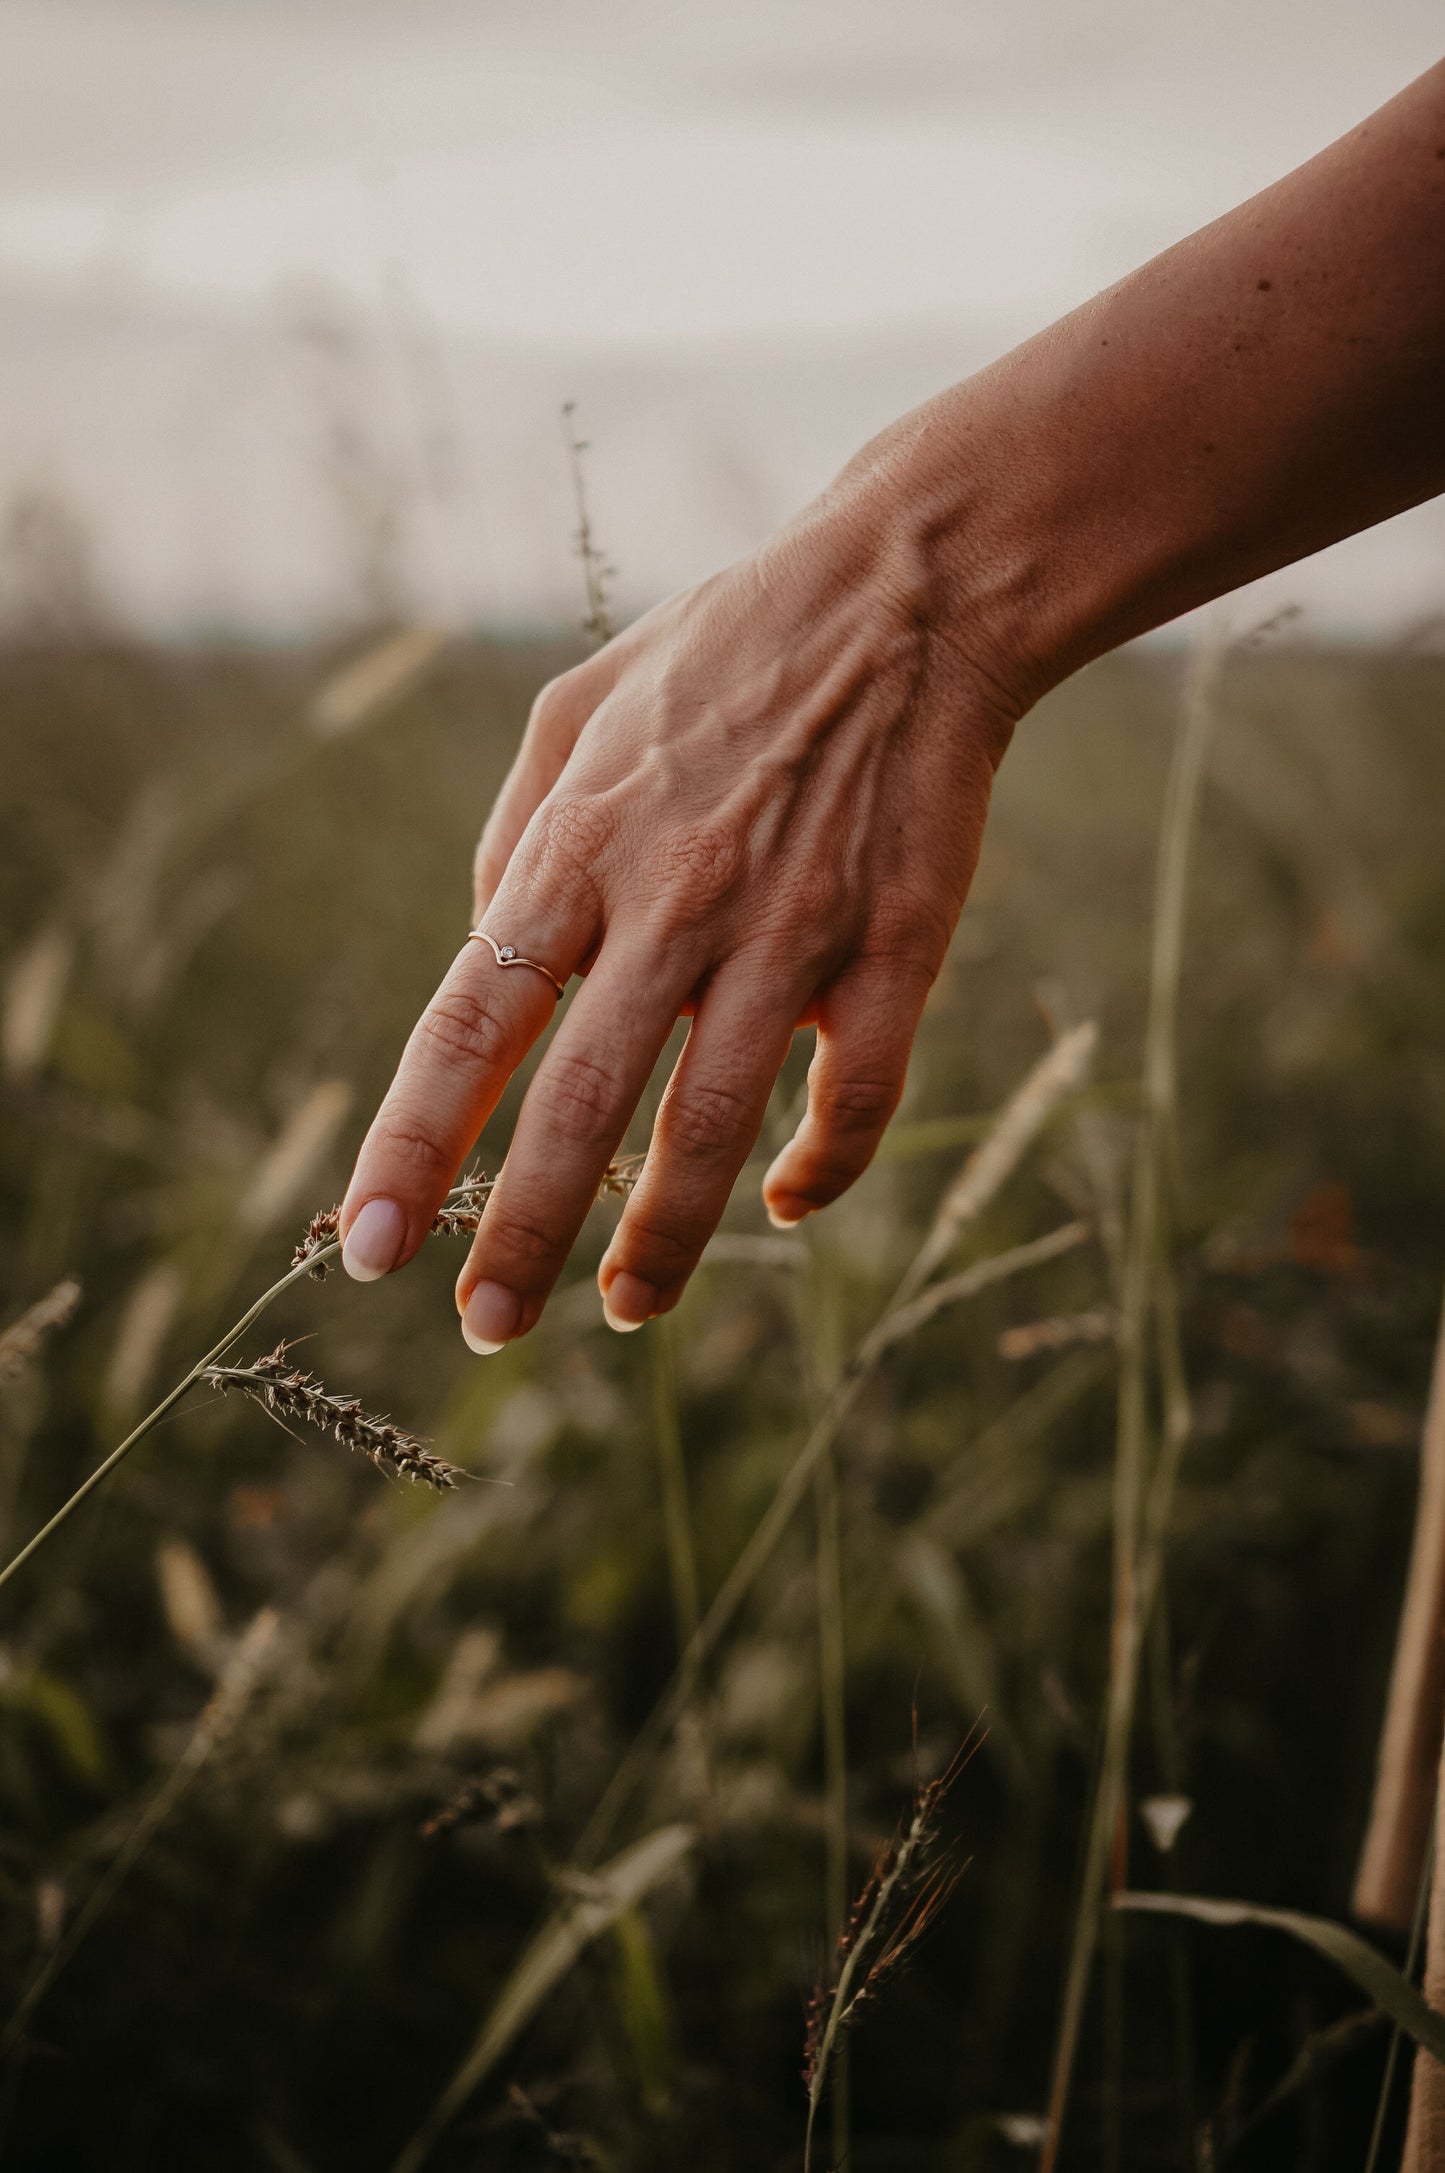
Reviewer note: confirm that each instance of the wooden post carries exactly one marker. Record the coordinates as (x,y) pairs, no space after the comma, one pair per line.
(1393,1856)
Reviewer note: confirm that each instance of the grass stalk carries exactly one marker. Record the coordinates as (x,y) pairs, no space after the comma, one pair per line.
(1397,1838)
(819,1334)
(1111,2103)
(1140,1509)
(1171,1778)
(596,571)
(167,1404)
(672,1473)
(832,1663)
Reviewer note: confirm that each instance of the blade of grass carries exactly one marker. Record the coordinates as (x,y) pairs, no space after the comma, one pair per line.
(602,1898)
(1387,1987)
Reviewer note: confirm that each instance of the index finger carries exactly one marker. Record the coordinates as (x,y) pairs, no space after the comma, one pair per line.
(461,1053)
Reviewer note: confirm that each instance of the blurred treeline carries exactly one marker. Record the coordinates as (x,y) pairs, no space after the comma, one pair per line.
(221,908)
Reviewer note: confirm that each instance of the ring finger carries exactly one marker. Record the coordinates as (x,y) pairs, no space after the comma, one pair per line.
(706,1127)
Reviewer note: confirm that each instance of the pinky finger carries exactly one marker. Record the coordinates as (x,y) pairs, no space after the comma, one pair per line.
(866,1023)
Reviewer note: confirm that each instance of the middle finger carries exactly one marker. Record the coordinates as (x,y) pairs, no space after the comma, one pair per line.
(706,1128)
(571,1124)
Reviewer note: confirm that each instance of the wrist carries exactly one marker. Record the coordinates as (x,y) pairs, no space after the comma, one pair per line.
(970,537)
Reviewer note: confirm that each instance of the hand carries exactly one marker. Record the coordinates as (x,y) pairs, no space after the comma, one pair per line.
(763,804)
(760,806)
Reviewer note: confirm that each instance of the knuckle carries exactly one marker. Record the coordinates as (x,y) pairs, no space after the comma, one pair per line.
(697,870)
(555,709)
(460,1027)
(570,833)
(582,1095)
(708,1120)
(815,922)
(908,933)
(856,1104)
(822,895)
(515,1237)
(655,1250)
(410,1145)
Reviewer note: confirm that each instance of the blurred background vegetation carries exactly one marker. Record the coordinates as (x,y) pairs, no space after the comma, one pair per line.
(229,879)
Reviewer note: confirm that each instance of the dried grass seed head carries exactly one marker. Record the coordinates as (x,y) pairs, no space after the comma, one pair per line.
(459,1215)
(287,1392)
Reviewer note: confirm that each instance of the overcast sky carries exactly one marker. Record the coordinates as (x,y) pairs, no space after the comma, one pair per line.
(291,290)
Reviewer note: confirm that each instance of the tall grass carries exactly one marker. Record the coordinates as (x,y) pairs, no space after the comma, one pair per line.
(681,1643)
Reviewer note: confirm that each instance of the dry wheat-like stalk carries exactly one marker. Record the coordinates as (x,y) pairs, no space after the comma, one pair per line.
(459,1215)
(22,1341)
(460,1212)
(287,1392)
(909,1885)
(322,1232)
(597,572)
(620,1175)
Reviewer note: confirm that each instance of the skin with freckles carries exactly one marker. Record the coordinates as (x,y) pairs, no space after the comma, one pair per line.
(761,806)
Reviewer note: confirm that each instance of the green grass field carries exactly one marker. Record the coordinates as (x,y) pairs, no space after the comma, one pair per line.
(218,925)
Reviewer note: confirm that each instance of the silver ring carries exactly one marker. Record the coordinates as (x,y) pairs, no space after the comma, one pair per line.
(507,954)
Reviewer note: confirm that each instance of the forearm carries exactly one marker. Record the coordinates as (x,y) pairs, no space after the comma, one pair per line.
(1273,383)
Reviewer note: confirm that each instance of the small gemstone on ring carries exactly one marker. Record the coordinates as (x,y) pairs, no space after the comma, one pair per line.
(508,950)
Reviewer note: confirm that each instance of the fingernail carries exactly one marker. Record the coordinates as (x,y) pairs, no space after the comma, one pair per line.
(786,1218)
(374,1240)
(491,1317)
(628,1303)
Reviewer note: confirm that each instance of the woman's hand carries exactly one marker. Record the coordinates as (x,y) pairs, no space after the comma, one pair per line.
(761,805)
